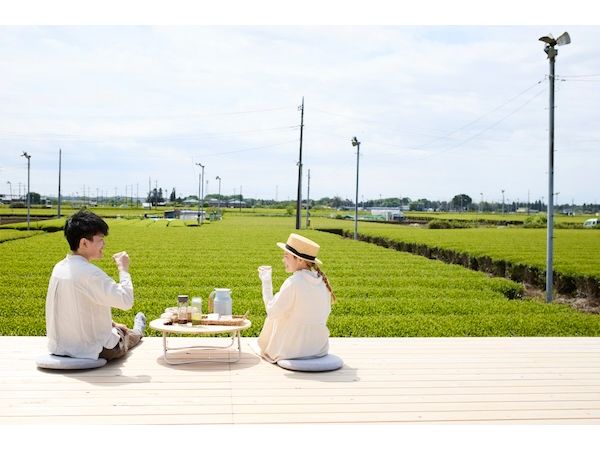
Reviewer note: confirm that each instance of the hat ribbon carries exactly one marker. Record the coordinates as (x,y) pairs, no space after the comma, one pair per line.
(301,255)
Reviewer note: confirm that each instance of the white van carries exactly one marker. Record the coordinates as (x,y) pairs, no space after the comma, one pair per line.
(590,223)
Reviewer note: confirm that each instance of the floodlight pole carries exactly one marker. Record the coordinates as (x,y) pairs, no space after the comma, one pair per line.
(356,144)
(551,52)
(28,191)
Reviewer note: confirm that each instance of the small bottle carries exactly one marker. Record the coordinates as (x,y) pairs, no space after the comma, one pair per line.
(182,308)
(210,304)
(196,310)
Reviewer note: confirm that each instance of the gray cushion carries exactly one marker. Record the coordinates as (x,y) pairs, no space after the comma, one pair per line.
(322,364)
(67,362)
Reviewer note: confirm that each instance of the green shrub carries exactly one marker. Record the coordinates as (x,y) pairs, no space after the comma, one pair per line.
(537,221)
(439,224)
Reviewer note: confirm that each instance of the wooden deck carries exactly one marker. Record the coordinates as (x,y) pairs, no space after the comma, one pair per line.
(396,380)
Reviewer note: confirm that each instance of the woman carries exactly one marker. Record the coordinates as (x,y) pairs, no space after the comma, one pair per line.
(296,323)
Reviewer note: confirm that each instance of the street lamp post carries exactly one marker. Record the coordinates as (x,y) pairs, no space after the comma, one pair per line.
(299,195)
(502,201)
(28,191)
(219,198)
(200,197)
(356,144)
(308,201)
(550,42)
(59,185)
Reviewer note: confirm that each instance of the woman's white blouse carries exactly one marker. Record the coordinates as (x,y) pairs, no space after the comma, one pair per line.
(296,323)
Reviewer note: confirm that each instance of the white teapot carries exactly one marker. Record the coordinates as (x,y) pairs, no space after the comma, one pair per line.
(221,298)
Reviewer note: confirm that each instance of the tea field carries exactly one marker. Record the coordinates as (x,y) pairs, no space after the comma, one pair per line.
(575,251)
(380,292)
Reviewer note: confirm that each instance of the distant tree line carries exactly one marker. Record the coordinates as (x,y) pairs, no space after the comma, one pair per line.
(458,203)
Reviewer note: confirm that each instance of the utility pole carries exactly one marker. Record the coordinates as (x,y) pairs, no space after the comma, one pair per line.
(308,201)
(28,191)
(299,196)
(155,194)
(59,175)
(241,198)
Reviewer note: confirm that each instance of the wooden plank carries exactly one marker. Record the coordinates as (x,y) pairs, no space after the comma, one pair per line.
(431,380)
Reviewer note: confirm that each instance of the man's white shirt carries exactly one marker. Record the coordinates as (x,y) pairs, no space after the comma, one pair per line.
(78,307)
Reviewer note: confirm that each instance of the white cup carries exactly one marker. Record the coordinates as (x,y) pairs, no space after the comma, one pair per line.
(265,268)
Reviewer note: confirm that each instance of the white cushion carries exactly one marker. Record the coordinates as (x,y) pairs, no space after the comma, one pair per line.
(322,364)
(67,362)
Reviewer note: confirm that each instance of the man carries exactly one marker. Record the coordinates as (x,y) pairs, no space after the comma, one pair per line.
(80,297)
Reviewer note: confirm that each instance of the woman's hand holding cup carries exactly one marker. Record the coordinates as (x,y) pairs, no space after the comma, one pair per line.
(265,273)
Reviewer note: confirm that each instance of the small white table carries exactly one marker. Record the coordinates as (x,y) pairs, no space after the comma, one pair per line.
(233,330)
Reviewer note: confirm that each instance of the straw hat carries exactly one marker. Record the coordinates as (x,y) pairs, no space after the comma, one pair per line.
(301,247)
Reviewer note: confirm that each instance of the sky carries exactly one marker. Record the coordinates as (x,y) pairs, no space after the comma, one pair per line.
(439,108)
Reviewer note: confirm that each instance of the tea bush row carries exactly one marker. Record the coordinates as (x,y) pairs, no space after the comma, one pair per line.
(380,292)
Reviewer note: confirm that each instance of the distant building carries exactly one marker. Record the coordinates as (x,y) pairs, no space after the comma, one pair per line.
(389,214)
(183,214)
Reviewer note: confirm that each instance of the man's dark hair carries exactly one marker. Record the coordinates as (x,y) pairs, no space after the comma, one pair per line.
(83,224)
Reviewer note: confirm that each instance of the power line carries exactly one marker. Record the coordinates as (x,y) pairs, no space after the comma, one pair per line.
(579,76)
(421,147)
(493,125)
(189,115)
(248,149)
(82,138)
(481,116)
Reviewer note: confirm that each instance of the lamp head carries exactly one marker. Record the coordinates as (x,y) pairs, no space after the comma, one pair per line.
(563,39)
(355,142)
(548,39)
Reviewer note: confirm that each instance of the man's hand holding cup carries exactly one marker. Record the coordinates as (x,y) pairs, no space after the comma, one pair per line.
(122,261)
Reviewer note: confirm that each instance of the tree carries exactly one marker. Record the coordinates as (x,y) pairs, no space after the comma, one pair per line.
(173,196)
(155,196)
(461,202)
(34,198)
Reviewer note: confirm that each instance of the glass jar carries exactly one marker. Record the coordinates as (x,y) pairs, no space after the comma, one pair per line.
(196,310)
(182,309)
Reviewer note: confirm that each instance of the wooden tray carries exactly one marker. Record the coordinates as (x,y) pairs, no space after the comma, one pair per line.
(234,321)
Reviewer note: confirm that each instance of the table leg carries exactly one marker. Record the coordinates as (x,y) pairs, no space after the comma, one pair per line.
(205,347)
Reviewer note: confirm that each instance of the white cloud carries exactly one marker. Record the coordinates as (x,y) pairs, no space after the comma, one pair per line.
(128,103)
